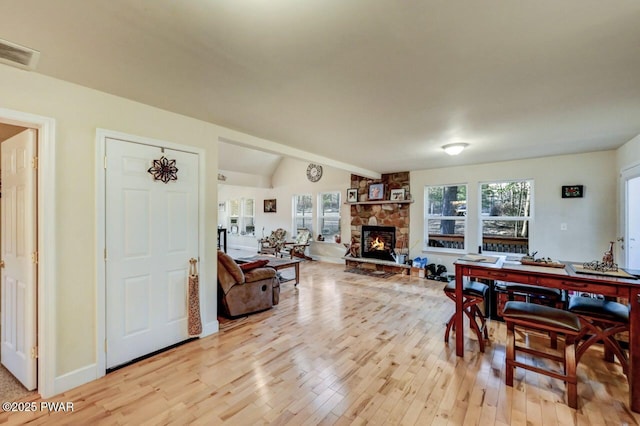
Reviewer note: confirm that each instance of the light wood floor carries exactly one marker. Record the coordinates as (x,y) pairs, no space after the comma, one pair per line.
(341,349)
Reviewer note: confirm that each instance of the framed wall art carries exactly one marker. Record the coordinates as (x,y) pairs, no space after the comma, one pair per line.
(352,195)
(397,194)
(270,206)
(572,191)
(376,191)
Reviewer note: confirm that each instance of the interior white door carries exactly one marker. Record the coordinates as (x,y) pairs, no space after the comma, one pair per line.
(632,219)
(151,233)
(18,216)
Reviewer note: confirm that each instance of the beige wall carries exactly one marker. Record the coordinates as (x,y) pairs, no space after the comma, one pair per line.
(78,112)
(290,178)
(591,221)
(629,154)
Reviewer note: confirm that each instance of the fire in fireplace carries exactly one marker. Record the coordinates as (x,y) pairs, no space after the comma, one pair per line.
(378,242)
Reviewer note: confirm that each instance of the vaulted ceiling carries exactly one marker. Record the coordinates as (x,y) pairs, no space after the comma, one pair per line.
(378,84)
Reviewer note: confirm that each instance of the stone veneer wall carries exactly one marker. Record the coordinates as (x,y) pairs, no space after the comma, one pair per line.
(386,213)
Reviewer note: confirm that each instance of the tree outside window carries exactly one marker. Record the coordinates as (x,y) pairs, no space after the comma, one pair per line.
(302,212)
(329,214)
(505,216)
(445,217)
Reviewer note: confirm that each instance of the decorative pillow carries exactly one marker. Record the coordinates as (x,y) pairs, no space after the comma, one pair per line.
(252,265)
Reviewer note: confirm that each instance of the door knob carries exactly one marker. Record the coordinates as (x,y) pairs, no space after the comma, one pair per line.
(1,264)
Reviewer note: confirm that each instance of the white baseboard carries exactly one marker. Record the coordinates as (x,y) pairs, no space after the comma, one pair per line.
(74,379)
(210,328)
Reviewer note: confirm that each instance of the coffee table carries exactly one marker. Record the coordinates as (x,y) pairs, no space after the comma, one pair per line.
(277,264)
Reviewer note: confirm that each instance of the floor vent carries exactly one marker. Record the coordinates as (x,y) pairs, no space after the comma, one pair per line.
(18,56)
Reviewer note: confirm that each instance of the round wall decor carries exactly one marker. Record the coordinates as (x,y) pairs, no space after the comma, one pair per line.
(314,172)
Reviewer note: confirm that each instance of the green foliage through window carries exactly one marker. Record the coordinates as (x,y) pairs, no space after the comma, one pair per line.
(329,217)
(445,218)
(505,216)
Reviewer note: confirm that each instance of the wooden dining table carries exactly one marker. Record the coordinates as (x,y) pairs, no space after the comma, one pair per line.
(624,286)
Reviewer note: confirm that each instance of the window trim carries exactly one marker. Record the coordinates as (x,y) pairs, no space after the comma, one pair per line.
(427,217)
(240,217)
(295,216)
(530,218)
(244,216)
(321,216)
(230,216)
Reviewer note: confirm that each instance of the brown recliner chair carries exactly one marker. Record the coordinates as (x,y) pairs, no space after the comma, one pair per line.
(243,292)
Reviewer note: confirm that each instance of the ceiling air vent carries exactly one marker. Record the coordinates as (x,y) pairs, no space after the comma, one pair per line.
(18,56)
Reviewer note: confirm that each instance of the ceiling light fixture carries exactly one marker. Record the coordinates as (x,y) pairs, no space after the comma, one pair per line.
(454,148)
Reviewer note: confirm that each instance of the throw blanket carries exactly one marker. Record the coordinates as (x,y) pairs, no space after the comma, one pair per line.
(194,322)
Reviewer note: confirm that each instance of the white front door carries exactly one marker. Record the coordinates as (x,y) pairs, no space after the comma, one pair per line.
(631,222)
(151,233)
(18,205)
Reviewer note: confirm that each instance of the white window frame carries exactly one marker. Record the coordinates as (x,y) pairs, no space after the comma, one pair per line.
(294,213)
(241,216)
(321,216)
(428,217)
(223,217)
(245,214)
(529,219)
(232,216)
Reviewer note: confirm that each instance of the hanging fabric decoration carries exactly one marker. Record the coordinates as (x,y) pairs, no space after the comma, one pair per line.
(164,170)
(194,323)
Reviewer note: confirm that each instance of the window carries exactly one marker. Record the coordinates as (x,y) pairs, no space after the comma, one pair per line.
(505,216)
(248,213)
(302,212)
(445,217)
(223,219)
(234,216)
(329,214)
(241,216)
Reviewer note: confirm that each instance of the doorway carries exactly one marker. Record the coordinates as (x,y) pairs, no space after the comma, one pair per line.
(630,189)
(150,232)
(45,241)
(17,270)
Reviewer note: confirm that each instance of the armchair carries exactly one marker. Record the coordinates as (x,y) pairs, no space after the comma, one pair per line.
(273,244)
(298,247)
(243,292)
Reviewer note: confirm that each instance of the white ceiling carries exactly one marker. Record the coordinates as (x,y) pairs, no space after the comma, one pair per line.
(234,160)
(378,84)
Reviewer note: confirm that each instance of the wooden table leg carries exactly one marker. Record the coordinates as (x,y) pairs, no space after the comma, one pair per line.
(459,316)
(297,266)
(634,350)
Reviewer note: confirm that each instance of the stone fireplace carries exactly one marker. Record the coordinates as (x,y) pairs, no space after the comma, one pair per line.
(382,214)
(378,242)
(380,227)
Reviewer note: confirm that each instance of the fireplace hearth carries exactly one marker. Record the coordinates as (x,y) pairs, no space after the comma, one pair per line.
(378,242)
